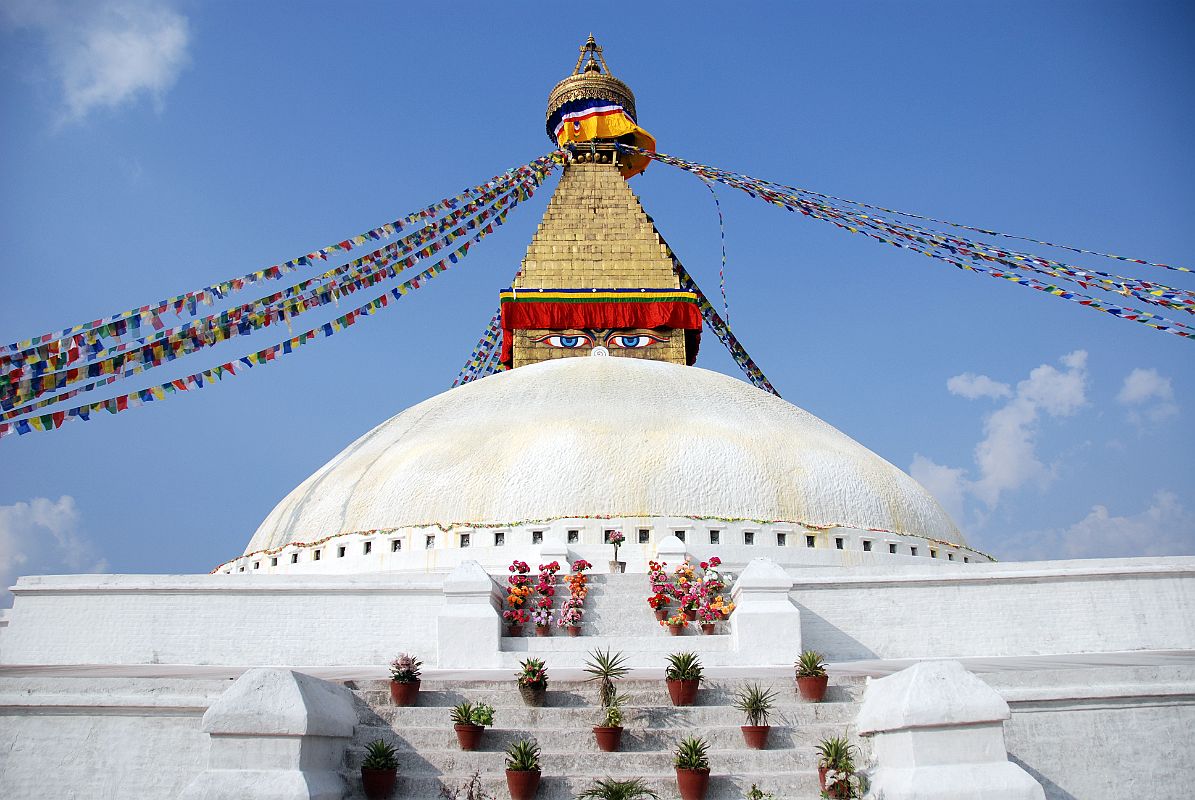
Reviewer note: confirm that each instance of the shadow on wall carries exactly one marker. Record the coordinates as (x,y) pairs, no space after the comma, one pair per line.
(834,645)
(1053,790)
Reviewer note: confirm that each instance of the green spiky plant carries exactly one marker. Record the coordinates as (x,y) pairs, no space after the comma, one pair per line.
(379,755)
(467,713)
(523,755)
(612,711)
(605,669)
(755,793)
(693,752)
(836,753)
(684,667)
(810,665)
(756,702)
(611,789)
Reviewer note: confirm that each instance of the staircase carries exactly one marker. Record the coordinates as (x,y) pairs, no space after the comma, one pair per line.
(430,757)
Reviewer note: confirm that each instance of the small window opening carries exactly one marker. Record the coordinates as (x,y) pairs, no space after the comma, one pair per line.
(644,535)
(466,539)
(891,548)
(912,551)
(367,548)
(838,542)
(294,558)
(966,560)
(866,545)
(499,538)
(340,551)
(606,534)
(781,539)
(273,561)
(240,569)
(680,535)
(315,556)
(429,542)
(933,553)
(257,565)
(537,537)
(395,545)
(715,537)
(811,541)
(748,537)
(574,537)
(950,556)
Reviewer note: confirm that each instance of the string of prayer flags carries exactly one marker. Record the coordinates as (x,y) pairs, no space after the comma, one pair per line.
(129,321)
(972,256)
(56,419)
(482,353)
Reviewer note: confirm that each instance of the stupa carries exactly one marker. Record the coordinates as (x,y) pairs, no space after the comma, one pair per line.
(1006,681)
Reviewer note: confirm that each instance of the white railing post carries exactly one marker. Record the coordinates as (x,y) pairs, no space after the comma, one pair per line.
(765,627)
(468,626)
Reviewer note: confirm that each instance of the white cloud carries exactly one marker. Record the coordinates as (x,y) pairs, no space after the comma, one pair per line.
(1164,528)
(1150,397)
(107,54)
(42,536)
(972,386)
(1006,458)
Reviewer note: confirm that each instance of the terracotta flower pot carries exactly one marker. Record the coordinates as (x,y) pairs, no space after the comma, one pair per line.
(693,783)
(756,736)
(661,614)
(691,615)
(676,630)
(821,777)
(608,739)
(468,736)
(534,695)
(404,694)
(683,693)
(573,630)
(378,783)
(813,689)
(707,628)
(543,630)
(522,783)
(514,630)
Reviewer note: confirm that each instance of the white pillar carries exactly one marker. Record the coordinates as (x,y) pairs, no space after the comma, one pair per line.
(765,627)
(938,734)
(276,735)
(671,550)
(468,626)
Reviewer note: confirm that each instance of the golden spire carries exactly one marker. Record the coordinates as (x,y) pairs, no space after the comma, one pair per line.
(590,80)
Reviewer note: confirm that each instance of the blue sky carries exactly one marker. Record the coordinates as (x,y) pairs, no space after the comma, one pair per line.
(152,147)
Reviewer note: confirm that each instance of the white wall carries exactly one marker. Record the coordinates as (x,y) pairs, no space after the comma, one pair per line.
(78,739)
(1032,608)
(286,620)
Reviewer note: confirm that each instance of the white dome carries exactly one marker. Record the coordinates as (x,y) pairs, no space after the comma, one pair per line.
(616,437)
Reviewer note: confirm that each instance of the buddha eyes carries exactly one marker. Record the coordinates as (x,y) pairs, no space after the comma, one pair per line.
(566,341)
(624,341)
(631,341)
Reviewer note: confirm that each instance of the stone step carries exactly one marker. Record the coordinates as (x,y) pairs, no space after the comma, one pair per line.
(416,739)
(491,757)
(725,785)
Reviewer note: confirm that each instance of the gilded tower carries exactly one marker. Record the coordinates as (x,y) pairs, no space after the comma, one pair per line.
(597,274)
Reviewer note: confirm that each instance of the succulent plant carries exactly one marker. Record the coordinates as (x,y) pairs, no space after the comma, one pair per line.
(612,711)
(810,665)
(756,702)
(684,667)
(379,755)
(523,755)
(693,752)
(611,789)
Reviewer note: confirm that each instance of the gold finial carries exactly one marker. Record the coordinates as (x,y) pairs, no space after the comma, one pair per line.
(590,79)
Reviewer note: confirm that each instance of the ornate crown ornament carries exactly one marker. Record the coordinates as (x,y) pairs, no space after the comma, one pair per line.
(591,80)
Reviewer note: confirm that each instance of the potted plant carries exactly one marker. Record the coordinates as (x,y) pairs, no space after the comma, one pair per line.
(379,770)
(469,721)
(659,603)
(515,618)
(708,617)
(522,769)
(533,681)
(611,789)
(616,538)
(605,668)
(835,765)
(756,702)
(570,616)
(811,676)
(692,767)
(676,623)
(683,675)
(542,617)
(755,793)
(609,733)
(404,679)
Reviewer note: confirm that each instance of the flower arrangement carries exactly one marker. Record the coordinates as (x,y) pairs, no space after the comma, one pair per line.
(542,616)
(405,668)
(532,672)
(708,615)
(517,595)
(517,616)
(616,538)
(657,574)
(659,600)
(578,585)
(722,605)
(569,617)
(580,565)
(520,584)
(677,620)
(545,583)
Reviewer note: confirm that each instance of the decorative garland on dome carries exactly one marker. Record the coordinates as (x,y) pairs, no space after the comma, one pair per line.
(48,345)
(57,419)
(451,526)
(969,255)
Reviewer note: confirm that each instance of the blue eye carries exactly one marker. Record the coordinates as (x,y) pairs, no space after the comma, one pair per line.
(565,341)
(634,341)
